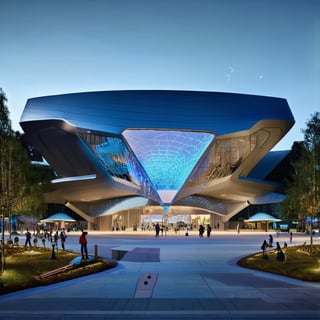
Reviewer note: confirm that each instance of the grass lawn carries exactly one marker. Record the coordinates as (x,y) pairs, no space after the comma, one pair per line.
(301,262)
(23,268)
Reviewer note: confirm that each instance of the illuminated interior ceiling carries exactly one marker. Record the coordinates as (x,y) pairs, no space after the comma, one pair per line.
(168,157)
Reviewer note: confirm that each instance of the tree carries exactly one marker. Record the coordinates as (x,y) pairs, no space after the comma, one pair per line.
(312,145)
(15,186)
(5,134)
(22,184)
(303,185)
(14,163)
(292,207)
(5,124)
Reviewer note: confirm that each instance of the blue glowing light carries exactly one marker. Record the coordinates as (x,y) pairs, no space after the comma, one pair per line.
(165,208)
(121,164)
(168,157)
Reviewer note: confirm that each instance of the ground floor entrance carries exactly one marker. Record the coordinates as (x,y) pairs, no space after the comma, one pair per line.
(140,220)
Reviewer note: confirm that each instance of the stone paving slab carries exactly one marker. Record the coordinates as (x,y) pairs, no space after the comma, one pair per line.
(152,304)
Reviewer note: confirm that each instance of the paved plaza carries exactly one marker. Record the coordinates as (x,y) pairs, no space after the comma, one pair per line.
(171,277)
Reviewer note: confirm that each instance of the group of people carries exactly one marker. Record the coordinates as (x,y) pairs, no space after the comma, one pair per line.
(63,236)
(159,229)
(269,244)
(54,239)
(202,230)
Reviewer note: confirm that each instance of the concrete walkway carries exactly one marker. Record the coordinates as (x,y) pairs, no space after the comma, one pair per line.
(171,277)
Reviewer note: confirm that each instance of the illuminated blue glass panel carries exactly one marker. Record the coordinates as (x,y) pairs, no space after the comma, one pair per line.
(119,162)
(168,157)
(112,152)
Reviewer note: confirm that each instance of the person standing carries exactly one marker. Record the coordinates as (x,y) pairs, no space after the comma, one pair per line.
(63,237)
(28,239)
(280,254)
(270,240)
(208,230)
(157,230)
(83,245)
(264,249)
(55,239)
(201,231)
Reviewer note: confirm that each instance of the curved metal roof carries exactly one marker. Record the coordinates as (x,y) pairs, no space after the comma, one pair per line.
(219,112)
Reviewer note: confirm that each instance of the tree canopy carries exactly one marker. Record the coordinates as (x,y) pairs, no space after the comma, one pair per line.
(20,190)
(303,192)
(5,124)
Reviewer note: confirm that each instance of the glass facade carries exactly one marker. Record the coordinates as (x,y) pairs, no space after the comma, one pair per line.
(119,162)
(223,158)
(158,161)
(161,162)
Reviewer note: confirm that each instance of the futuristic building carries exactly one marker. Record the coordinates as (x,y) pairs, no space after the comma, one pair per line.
(132,154)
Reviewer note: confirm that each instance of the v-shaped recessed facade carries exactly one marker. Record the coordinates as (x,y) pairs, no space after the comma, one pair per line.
(149,149)
(167,157)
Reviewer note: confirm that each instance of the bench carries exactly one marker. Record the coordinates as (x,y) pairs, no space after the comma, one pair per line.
(56,271)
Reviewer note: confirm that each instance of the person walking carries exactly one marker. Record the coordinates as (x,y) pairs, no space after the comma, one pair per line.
(28,239)
(83,245)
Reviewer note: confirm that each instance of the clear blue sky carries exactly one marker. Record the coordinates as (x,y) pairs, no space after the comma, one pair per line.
(264,47)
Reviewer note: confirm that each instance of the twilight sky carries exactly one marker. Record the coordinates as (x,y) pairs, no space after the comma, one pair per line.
(264,47)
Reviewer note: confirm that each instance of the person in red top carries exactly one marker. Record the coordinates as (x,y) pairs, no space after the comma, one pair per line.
(83,242)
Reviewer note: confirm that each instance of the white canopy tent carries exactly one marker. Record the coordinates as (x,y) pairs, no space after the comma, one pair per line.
(60,218)
(262,217)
